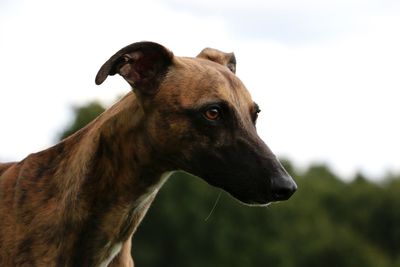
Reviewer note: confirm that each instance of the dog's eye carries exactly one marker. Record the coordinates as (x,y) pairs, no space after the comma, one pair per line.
(212,113)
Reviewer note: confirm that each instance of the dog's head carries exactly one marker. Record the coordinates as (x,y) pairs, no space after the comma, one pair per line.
(201,119)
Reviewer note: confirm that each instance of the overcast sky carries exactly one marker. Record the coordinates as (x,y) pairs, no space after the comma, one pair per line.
(326,74)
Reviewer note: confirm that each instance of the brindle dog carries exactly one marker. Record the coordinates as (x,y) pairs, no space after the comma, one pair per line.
(79,202)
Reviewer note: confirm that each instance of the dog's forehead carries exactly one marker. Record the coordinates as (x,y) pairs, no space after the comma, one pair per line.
(195,81)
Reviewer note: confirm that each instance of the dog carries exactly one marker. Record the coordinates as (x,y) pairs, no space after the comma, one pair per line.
(79,202)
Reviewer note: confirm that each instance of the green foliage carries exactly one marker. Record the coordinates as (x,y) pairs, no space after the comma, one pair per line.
(328,222)
(322,225)
(83,115)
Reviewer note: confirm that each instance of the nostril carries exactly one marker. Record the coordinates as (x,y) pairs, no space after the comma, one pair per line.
(283,190)
(283,193)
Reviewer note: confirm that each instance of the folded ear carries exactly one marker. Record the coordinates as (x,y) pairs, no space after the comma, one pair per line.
(142,65)
(226,59)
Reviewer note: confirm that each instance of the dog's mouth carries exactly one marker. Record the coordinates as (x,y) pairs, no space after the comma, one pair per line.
(259,202)
(243,192)
(255,192)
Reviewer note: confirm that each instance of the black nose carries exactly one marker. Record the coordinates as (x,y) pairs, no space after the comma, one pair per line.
(282,188)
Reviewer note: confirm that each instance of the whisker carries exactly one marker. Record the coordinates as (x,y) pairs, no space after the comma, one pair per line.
(215,204)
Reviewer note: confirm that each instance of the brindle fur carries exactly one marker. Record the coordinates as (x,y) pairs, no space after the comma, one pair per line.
(79,202)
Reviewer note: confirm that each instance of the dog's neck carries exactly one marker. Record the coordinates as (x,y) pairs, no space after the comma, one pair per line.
(117,179)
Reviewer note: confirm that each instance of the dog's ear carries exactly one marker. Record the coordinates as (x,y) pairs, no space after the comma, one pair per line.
(226,59)
(141,64)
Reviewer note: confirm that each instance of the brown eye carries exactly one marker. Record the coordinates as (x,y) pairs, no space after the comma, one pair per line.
(212,114)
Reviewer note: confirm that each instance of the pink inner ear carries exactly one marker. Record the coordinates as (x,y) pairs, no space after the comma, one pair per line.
(146,64)
(129,73)
(138,66)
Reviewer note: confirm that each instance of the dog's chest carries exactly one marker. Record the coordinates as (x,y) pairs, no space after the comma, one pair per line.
(114,251)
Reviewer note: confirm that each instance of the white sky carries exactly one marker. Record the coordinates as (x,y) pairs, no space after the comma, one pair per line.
(325,73)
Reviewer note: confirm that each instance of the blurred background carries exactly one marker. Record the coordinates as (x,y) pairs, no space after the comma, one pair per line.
(325,74)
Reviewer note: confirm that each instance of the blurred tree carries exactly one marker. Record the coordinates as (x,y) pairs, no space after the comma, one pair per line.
(328,222)
(83,115)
